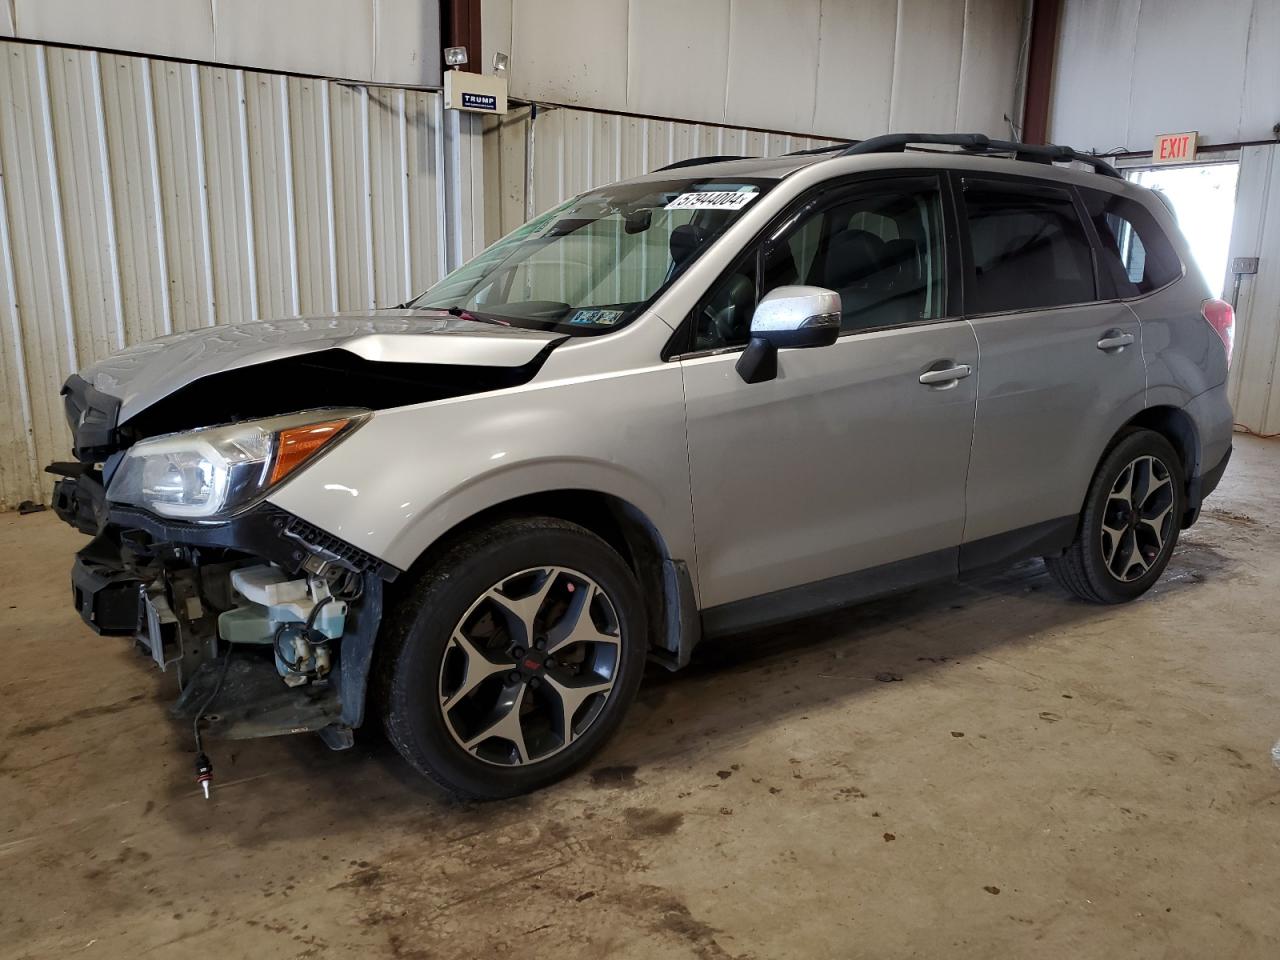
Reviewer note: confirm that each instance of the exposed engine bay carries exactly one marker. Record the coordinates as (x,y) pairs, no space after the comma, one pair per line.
(266,621)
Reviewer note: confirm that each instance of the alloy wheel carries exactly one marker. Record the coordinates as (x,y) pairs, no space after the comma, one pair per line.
(1137,519)
(529,666)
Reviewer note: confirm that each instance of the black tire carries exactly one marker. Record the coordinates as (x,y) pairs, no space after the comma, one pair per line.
(1084,568)
(416,639)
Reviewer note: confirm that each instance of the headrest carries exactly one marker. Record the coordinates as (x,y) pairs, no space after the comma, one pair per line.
(684,243)
(901,255)
(853,256)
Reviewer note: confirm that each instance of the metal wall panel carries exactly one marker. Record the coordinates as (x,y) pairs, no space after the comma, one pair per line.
(575,150)
(926,65)
(378,41)
(855,66)
(826,67)
(687,79)
(991,54)
(1126,71)
(771,80)
(141,197)
(1256,233)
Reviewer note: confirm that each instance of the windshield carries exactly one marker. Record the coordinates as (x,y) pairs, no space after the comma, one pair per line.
(592,264)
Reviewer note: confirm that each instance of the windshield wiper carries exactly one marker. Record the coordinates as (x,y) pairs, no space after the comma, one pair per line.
(462,314)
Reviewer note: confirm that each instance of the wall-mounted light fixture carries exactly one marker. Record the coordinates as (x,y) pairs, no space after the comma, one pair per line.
(500,62)
(455,57)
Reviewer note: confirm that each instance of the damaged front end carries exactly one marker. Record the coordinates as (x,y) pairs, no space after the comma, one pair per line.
(267,622)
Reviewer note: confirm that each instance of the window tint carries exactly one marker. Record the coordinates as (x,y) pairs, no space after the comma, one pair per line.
(879,247)
(1030,249)
(1136,255)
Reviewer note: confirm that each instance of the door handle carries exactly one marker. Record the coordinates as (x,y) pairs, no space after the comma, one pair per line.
(1115,340)
(950,374)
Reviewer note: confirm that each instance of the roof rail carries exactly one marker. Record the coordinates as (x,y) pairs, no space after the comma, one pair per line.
(829,148)
(696,161)
(980,143)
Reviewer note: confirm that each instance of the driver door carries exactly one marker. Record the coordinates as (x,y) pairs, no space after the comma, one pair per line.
(845,463)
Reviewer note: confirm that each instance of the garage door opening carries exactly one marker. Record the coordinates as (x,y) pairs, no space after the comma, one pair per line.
(1204,199)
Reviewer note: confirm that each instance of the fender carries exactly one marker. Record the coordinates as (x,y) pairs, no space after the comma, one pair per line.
(410,474)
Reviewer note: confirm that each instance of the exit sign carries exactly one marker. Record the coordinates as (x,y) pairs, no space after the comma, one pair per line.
(1175,147)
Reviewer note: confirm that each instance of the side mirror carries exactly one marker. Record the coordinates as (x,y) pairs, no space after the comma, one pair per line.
(788,317)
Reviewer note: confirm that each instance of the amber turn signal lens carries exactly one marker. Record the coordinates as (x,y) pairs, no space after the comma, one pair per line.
(297,445)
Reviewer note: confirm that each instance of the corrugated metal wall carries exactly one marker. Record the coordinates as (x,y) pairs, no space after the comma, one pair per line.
(575,150)
(1256,233)
(143,197)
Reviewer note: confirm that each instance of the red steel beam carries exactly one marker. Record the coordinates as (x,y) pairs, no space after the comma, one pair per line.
(460,27)
(1046,16)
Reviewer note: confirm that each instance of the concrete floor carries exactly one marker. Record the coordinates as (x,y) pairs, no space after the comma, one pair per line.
(1049,779)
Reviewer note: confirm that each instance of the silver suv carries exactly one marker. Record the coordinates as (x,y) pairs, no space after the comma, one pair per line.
(726,394)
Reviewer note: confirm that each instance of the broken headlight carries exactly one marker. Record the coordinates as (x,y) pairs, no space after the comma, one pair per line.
(204,474)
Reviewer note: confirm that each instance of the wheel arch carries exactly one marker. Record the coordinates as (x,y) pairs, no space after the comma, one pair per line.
(1178,427)
(673,621)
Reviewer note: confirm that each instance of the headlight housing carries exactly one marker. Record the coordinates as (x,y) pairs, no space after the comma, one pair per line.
(207,473)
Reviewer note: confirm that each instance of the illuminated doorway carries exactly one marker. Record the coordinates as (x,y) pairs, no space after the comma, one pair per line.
(1203,197)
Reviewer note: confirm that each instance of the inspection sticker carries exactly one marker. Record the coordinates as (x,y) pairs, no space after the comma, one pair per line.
(712,200)
(595,318)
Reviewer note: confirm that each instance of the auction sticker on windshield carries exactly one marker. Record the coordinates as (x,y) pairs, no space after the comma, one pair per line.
(712,200)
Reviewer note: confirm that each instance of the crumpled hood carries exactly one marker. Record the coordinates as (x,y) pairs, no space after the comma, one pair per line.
(143,374)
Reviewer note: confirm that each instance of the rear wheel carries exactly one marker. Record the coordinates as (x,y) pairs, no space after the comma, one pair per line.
(514,659)
(1130,523)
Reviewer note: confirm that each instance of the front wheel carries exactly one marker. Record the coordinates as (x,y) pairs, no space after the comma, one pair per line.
(1130,524)
(514,658)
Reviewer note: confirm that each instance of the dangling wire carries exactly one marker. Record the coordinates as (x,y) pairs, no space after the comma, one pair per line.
(209,700)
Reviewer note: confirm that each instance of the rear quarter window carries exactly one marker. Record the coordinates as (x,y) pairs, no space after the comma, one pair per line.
(1136,255)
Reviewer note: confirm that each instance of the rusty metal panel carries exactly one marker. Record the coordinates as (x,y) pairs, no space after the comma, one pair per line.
(141,197)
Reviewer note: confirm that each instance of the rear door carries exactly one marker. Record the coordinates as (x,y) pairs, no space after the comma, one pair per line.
(1062,366)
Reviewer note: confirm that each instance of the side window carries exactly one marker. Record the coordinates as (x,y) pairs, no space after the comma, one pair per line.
(879,246)
(1030,249)
(1136,255)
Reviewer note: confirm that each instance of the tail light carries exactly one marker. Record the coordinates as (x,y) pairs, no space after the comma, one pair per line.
(1222,318)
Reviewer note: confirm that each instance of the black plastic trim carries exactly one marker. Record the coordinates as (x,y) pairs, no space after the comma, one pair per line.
(106,597)
(1048,538)
(355,652)
(1201,486)
(683,628)
(266,531)
(93,417)
(833,593)
(698,161)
